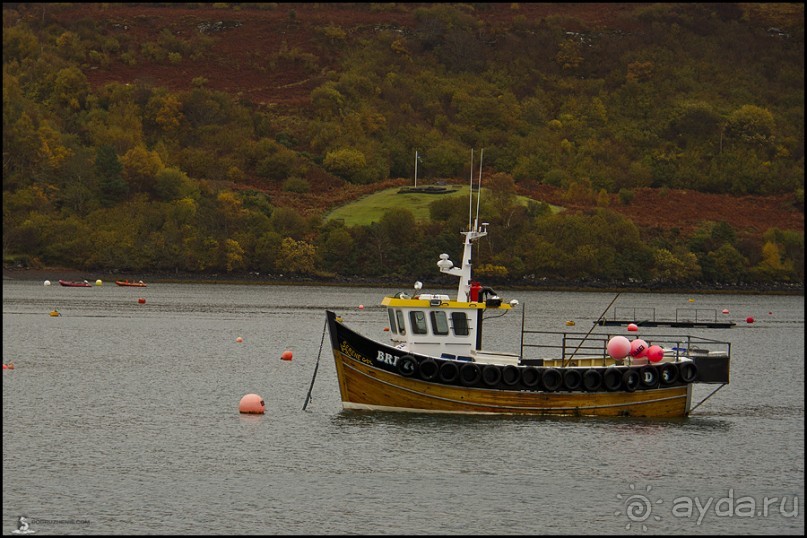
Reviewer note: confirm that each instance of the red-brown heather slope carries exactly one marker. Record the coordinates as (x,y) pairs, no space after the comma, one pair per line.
(236,64)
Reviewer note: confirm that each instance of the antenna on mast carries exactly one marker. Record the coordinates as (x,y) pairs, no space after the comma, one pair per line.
(471,193)
(479,187)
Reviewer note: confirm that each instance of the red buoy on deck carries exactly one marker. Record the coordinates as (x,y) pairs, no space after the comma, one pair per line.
(655,354)
(638,348)
(252,403)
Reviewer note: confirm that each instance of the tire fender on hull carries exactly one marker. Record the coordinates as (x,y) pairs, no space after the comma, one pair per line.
(572,379)
(612,379)
(511,375)
(592,380)
(668,373)
(530,377)
(552,379)
(631,379)
(650,376)
(429,369)
(470,374)
(491,375)
(688,372)
(407,366)
(449,372)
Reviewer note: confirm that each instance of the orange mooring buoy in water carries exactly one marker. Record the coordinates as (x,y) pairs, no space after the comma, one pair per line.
(286,355)
(252,403)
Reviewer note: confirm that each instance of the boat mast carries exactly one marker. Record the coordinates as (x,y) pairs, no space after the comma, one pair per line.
(474,232)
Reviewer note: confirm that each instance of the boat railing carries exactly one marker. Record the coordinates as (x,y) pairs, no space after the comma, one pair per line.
(635,314)
(645,314)
(696,314)
(567,345)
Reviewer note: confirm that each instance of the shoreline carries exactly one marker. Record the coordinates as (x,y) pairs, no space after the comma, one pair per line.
(55,273)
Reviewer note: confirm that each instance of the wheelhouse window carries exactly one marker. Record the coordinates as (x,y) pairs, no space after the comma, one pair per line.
(439,322)
(401,327)
(460,323)
(418,319)
(392,325)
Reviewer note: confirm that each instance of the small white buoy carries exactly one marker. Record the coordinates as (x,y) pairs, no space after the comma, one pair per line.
(47,282)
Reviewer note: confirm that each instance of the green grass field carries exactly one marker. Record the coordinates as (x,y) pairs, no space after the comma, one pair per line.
(371,208)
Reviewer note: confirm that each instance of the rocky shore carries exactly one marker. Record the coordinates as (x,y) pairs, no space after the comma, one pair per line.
(55,273)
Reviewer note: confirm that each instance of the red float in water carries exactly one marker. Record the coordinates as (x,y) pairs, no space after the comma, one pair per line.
(286,355)
(141,301)
(749,319)
(633,327)
(252,403)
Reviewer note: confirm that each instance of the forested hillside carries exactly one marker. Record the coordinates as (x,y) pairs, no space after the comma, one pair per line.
(215,138)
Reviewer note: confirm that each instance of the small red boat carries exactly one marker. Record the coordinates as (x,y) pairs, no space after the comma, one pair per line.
(140,284)
(75,284)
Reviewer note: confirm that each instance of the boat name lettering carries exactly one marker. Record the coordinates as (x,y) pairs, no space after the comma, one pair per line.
(350,352)
(386,358)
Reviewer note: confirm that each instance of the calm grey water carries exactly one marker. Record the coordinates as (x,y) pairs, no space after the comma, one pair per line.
(122,418)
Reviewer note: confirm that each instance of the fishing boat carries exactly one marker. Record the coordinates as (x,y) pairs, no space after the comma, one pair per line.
(75,284)
(435,362)
(139,284)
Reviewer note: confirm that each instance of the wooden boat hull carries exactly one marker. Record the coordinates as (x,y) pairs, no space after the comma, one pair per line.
(131,284)
(69,284)
(369,379)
